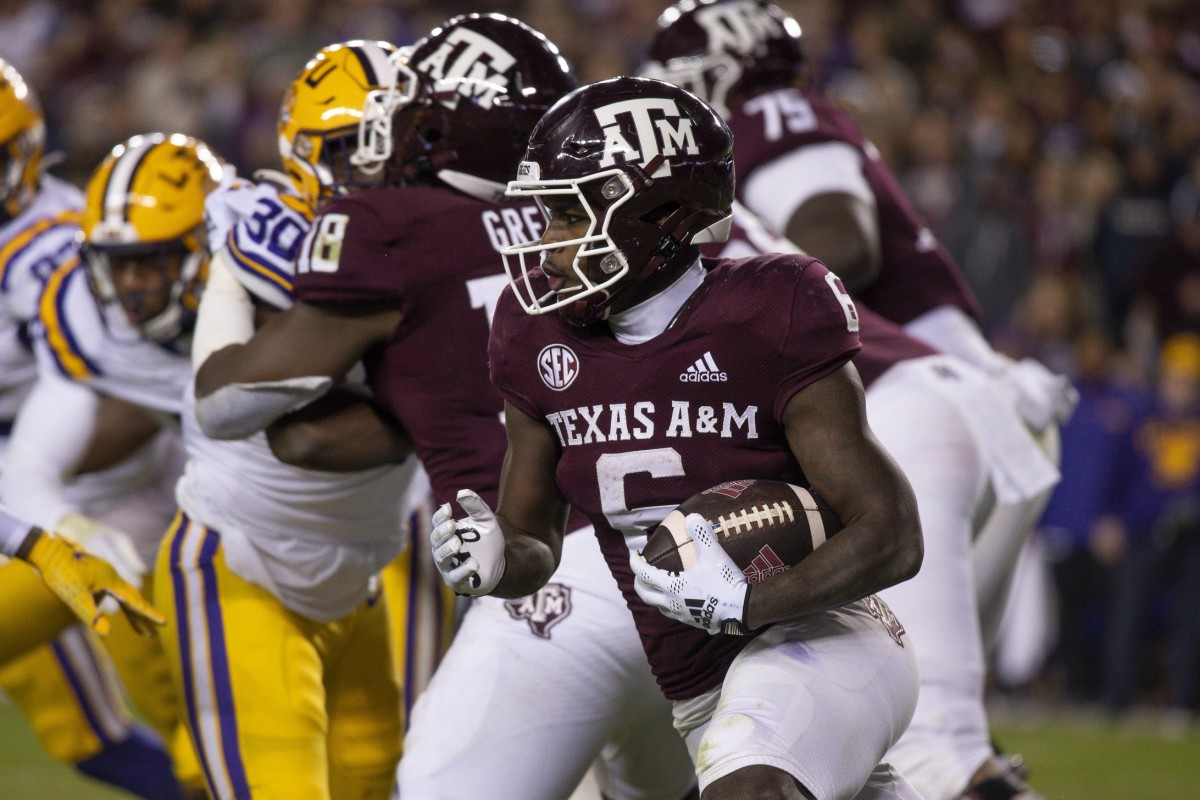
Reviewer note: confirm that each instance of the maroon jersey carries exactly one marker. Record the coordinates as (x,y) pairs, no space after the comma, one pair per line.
(884,343)
(433,253)
(916,273)
(642,427)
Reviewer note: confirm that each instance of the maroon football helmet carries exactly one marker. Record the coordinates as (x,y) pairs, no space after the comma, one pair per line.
(652,166)
(716,47)
(485,80)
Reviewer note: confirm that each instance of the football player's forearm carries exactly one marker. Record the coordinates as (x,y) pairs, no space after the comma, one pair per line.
(860,560)
(529,561)
(53,431)
(880,541)
(32,486)
(226,313)
(218,369)
(342,432)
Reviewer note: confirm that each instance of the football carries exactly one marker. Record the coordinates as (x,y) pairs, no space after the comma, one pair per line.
(765,526)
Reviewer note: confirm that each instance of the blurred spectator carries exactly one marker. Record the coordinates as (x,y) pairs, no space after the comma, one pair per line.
(1156,533)
(991,247)
(1133,224)
(933,179)
(1046,320)
(1080,544)
(1169,280)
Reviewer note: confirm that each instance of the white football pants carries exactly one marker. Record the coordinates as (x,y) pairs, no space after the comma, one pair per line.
(532,691)
(936,417)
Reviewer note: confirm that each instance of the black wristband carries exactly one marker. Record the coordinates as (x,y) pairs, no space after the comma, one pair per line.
(738,627)
(28,542)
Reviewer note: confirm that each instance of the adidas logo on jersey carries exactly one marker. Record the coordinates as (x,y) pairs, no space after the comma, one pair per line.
(705,370)
(764,565)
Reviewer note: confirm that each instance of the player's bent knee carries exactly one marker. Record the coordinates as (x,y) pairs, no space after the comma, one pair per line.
(757,782)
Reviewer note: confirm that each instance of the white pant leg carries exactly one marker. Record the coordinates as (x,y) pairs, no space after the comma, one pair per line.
(886,783)
(999,544)
(532,690)
(927,434)
(1028,629)
(821,698)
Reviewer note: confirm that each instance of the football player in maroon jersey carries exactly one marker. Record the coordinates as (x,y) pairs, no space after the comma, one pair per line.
(807,169)
(966,452)
(797,688)
(404,278)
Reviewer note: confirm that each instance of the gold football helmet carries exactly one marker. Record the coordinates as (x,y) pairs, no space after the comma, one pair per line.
(335,124)
(143,232)
(22,142)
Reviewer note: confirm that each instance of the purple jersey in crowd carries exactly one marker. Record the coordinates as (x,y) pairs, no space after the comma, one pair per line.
(434,254)
(643,427)
(916,273)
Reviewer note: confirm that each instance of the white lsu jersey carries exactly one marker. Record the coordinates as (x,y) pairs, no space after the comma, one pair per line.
(76,346)
(313,539)
(77,340)
(32,246)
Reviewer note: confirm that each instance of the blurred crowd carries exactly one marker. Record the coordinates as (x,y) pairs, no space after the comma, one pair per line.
(1054,146)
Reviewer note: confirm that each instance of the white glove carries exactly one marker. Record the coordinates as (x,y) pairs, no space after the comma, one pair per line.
(1042,397)
(711,595)
(114,546)
(469,553)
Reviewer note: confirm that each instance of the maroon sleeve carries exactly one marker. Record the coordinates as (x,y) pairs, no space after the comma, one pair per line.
(917,273)
(884,344)
(822,334)
(505,333)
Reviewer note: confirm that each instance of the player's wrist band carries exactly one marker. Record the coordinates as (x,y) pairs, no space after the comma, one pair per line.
(28,542)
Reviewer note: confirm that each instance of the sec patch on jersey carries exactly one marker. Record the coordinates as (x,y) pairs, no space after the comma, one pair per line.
(765,526)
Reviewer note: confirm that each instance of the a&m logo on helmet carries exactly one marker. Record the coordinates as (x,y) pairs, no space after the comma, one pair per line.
(658,128)
(738,27)
(469,64)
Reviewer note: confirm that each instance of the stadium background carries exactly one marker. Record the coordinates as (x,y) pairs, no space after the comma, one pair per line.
(1054,146)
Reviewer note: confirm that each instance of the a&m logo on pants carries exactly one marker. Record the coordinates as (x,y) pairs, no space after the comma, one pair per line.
(543,610)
